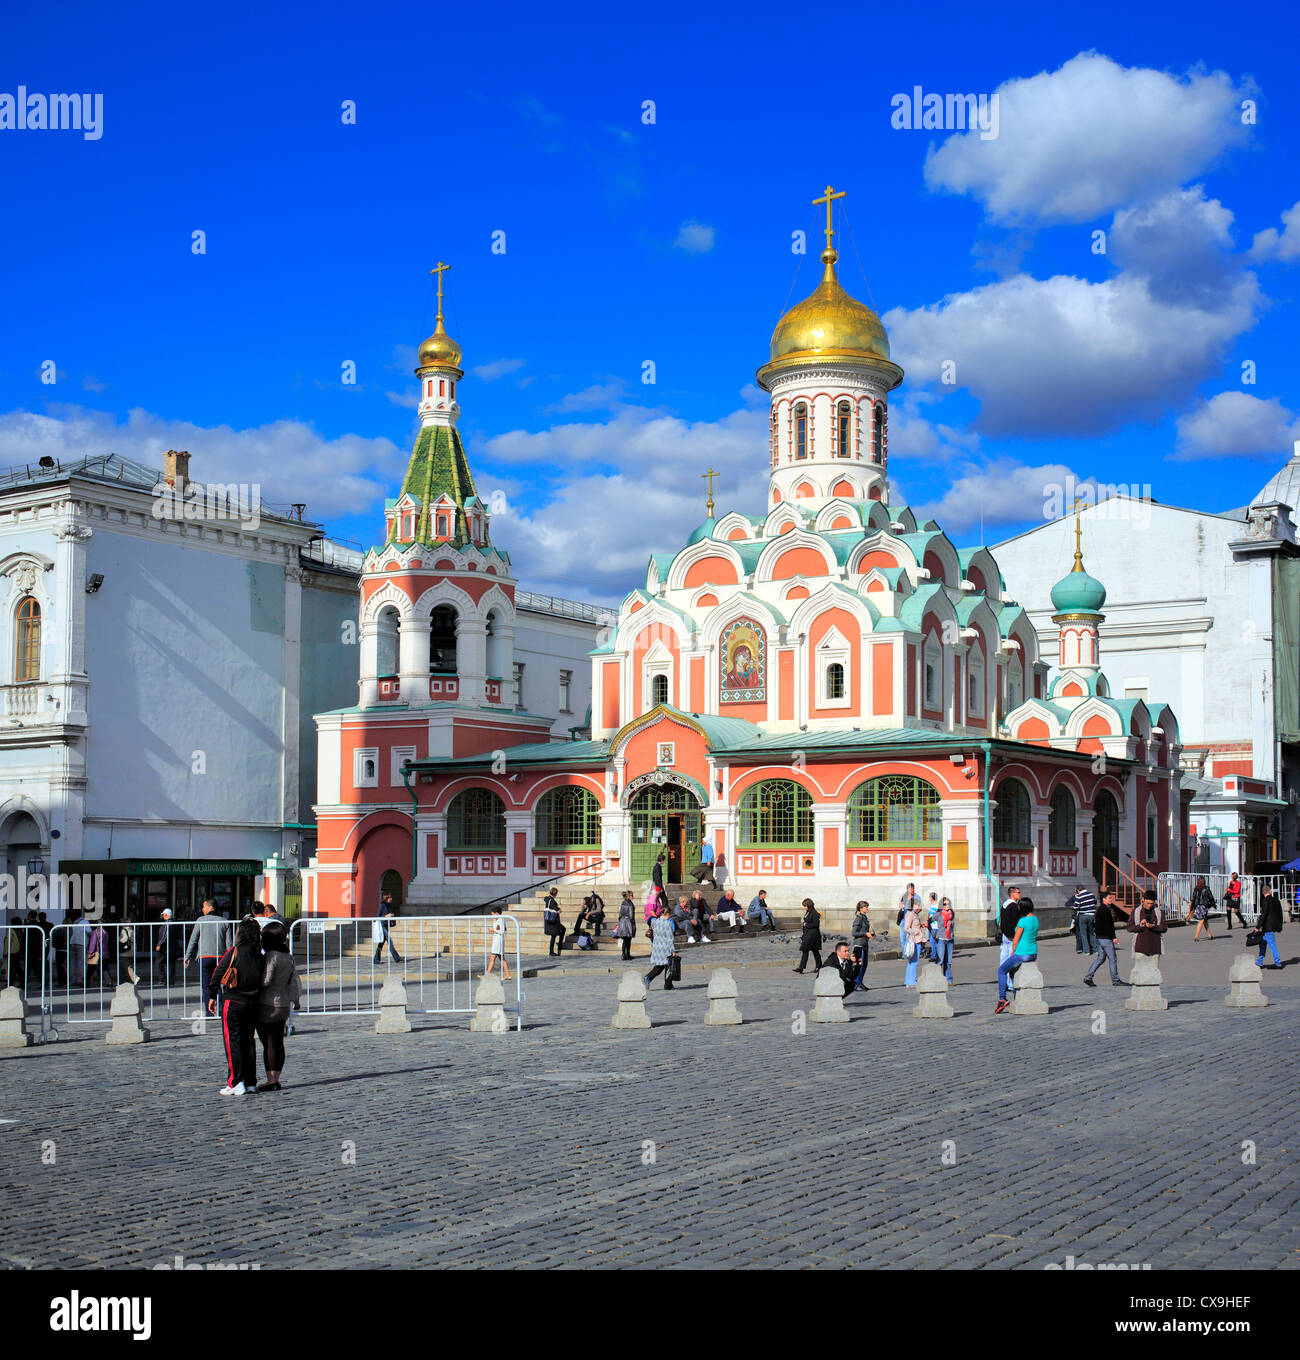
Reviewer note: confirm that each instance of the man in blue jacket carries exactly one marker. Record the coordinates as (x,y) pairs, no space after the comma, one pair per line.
(758,911)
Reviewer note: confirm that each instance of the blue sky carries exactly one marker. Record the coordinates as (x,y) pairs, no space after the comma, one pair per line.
(670,242)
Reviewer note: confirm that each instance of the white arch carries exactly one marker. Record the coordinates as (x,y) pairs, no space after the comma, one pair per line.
(797,538)
(390,593)
(696,552)
(444,592)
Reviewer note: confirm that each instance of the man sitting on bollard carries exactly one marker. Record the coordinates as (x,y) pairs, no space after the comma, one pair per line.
(1024,949)
(1011,913)
(841,960)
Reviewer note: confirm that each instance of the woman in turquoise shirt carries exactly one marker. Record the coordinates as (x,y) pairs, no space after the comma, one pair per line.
(1024,949)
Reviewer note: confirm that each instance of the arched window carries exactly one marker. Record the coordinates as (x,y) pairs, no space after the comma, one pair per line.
(835,681)
(568,819)
(27,656)
(388,627)
(496,647)
(895,810)
(773,436)
(878,434)
(1060,820)
(442,640)
(476,820)
(1011,816)
(777,812)
(845,428)
(801,431)
(659,689)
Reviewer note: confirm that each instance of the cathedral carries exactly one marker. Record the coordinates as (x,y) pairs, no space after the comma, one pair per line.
(832,694)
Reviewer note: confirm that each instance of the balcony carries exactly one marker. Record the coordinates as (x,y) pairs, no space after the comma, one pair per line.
(22,701)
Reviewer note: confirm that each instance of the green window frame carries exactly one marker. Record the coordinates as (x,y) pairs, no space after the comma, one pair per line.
(1011,816)
(776,813)
(567,818)
(476,820)
(1060,820)
(895,809)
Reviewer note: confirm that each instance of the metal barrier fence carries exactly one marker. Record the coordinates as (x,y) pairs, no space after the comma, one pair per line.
(24,957)
(343,966)
(1254,887)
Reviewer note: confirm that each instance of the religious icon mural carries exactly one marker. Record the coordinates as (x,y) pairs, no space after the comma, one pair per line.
(743,657)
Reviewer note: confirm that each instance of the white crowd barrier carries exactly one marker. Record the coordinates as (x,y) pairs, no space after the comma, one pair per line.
(25,963)
(1174,891)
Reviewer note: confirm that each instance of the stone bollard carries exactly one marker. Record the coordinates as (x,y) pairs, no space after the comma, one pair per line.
(829,992)
(13,1019)
(125,1010)
(722,999)
(932,994)
(1028,982)
(1245,977)
(1145,977)
(490,999)
(392,1007)
(631,1001)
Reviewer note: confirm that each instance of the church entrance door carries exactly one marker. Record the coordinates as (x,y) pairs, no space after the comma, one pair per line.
(665,820)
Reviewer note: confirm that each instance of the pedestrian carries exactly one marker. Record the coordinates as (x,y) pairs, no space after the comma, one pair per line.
(662,949)
(657,873)
(1200,907)
(654,901)
(704,869)
(168,949)
(380,931)
(909,896)
(238,974)
(1104,925)
(729,910)
(12,949)
(595,905)
(279,994)
(1024,949)
(1232,901)
(810,936)
(59,947)
(269,913)
(1011,913)
(625,930)
(552,924)
(77,937)
(914,933)
(1268,927)
(758,909)
(862,935)
(209,939)
(96,943)
(720,870)
(1147,925)
(842,962)
(497,949)
(1083,925)
(932,925)
(946,936)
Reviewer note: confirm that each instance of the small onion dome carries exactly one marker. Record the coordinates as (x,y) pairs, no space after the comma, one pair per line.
(702,531)
(1077,592)
(439,350)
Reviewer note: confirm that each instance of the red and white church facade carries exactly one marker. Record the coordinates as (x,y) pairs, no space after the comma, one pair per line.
(832,693)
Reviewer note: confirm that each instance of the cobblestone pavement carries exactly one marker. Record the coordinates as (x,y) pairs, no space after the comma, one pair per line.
(1170,1138)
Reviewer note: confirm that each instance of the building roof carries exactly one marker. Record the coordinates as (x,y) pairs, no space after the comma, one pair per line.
(1283,485)
(438,467)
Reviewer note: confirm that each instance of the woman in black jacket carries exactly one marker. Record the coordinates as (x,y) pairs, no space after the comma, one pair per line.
(1268,925)
(810,941)
(280,992)
(239,971)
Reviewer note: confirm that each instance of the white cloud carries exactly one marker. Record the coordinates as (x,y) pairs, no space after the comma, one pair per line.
(1180,243)
(287,458)
(606,396)
(1091,136)
(498,368)
(1066,356)
(410,399)
(695,238)
(1002,492)
(1270,244)
(1236,424)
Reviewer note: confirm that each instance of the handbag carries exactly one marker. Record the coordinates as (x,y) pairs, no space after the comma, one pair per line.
(376,931)
(909,949)
(674,968)
(1254,938)
(230,978)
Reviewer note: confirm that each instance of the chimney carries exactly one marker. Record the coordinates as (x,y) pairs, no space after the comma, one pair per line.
(176,468)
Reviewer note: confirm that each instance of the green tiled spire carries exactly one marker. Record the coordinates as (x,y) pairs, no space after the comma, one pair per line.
(438,464)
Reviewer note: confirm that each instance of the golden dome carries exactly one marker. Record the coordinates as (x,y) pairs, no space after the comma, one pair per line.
(828,323)
(439,349)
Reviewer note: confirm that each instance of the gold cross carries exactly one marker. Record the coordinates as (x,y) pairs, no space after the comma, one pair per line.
(710,475)
(1078,534)
(438,271)
(828,200)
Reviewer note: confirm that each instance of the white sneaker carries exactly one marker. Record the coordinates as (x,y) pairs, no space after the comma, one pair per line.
(237,1090)
(690,939)
(706,939)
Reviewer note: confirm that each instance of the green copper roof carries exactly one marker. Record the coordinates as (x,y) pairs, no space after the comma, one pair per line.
(438,465)
(702,530)
(1078,593)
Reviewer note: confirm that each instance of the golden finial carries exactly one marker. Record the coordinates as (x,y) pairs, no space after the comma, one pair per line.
(438,270)
(1078,536)
(710,475)
(828,199)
